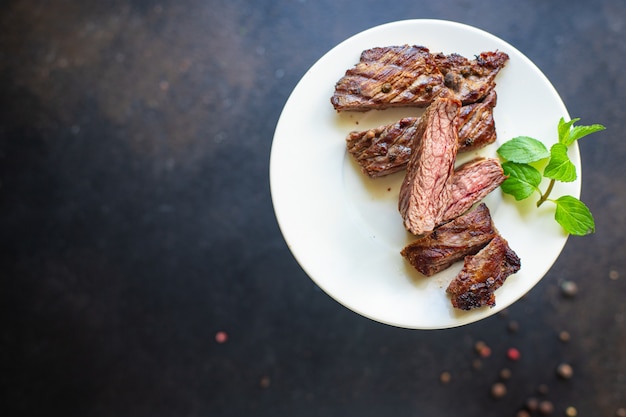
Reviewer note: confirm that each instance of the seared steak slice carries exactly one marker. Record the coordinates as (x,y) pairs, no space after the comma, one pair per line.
(471,183)
(389,77)
(470,80)
(425,191)
(451,242)
(477,126)
(387,149)
(406,75)
(482,274)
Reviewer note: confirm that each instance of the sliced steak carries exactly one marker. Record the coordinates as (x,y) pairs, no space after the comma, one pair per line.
(396,76)
(477,125)
(482,274)
(387,149)
(471,183)
(451,242)
(389,77)
(470,80)
(425,191)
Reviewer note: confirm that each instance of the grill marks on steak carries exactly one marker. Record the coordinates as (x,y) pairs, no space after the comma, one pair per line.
(425,191)
(389,77)
(406,75)
(482,274)
(387,149)
(477,125)
(451,242)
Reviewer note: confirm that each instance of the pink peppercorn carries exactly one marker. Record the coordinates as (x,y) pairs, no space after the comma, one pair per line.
(221,337)
(513,354)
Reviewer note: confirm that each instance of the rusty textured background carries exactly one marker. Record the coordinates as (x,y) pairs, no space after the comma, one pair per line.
(136,221)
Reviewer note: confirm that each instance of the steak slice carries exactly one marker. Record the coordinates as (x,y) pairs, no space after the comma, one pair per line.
(389,77)
(482,274)
(470,80)
(471,183)
(401,76)
(425,191)
(477,125)
(386,149)
(451,242)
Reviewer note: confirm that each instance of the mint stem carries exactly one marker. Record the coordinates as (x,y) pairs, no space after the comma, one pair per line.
(544,196)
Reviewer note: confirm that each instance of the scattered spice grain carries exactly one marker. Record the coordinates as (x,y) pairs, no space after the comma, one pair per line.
(221,337)
(532,404)
(564,336)
(513,354)
(565,371)
(569,288)
(498,390)
(505,373)
(482,349)
(546,407)
(445,377)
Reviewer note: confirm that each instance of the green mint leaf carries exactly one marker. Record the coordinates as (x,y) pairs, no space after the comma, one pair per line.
(523,150)
(560,167)
(578,132)
(574,216)
(564,128)
(568,133)
(522,180)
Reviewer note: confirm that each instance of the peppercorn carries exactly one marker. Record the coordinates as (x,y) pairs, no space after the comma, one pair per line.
(569,288)
(513,354)
(513,326)
(498,390)
(546,407)
(445,377)
(532,404)
(505,373)
(565,371)
(482,349)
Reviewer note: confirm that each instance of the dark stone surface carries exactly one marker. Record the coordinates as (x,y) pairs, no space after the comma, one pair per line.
(136,221)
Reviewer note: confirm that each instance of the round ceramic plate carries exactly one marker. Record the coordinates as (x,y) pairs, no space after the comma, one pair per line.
(344,228)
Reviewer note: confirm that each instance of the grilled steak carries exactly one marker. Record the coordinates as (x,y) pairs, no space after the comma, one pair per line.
(477,126)
(482,274)
(470,80)
(471,183)
(389,77)
(387,149)
(406,75)
(451,242)
(425,191)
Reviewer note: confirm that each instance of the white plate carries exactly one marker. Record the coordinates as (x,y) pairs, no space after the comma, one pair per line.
(345,230)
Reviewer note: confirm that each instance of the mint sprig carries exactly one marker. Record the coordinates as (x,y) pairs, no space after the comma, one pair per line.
(522,156)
